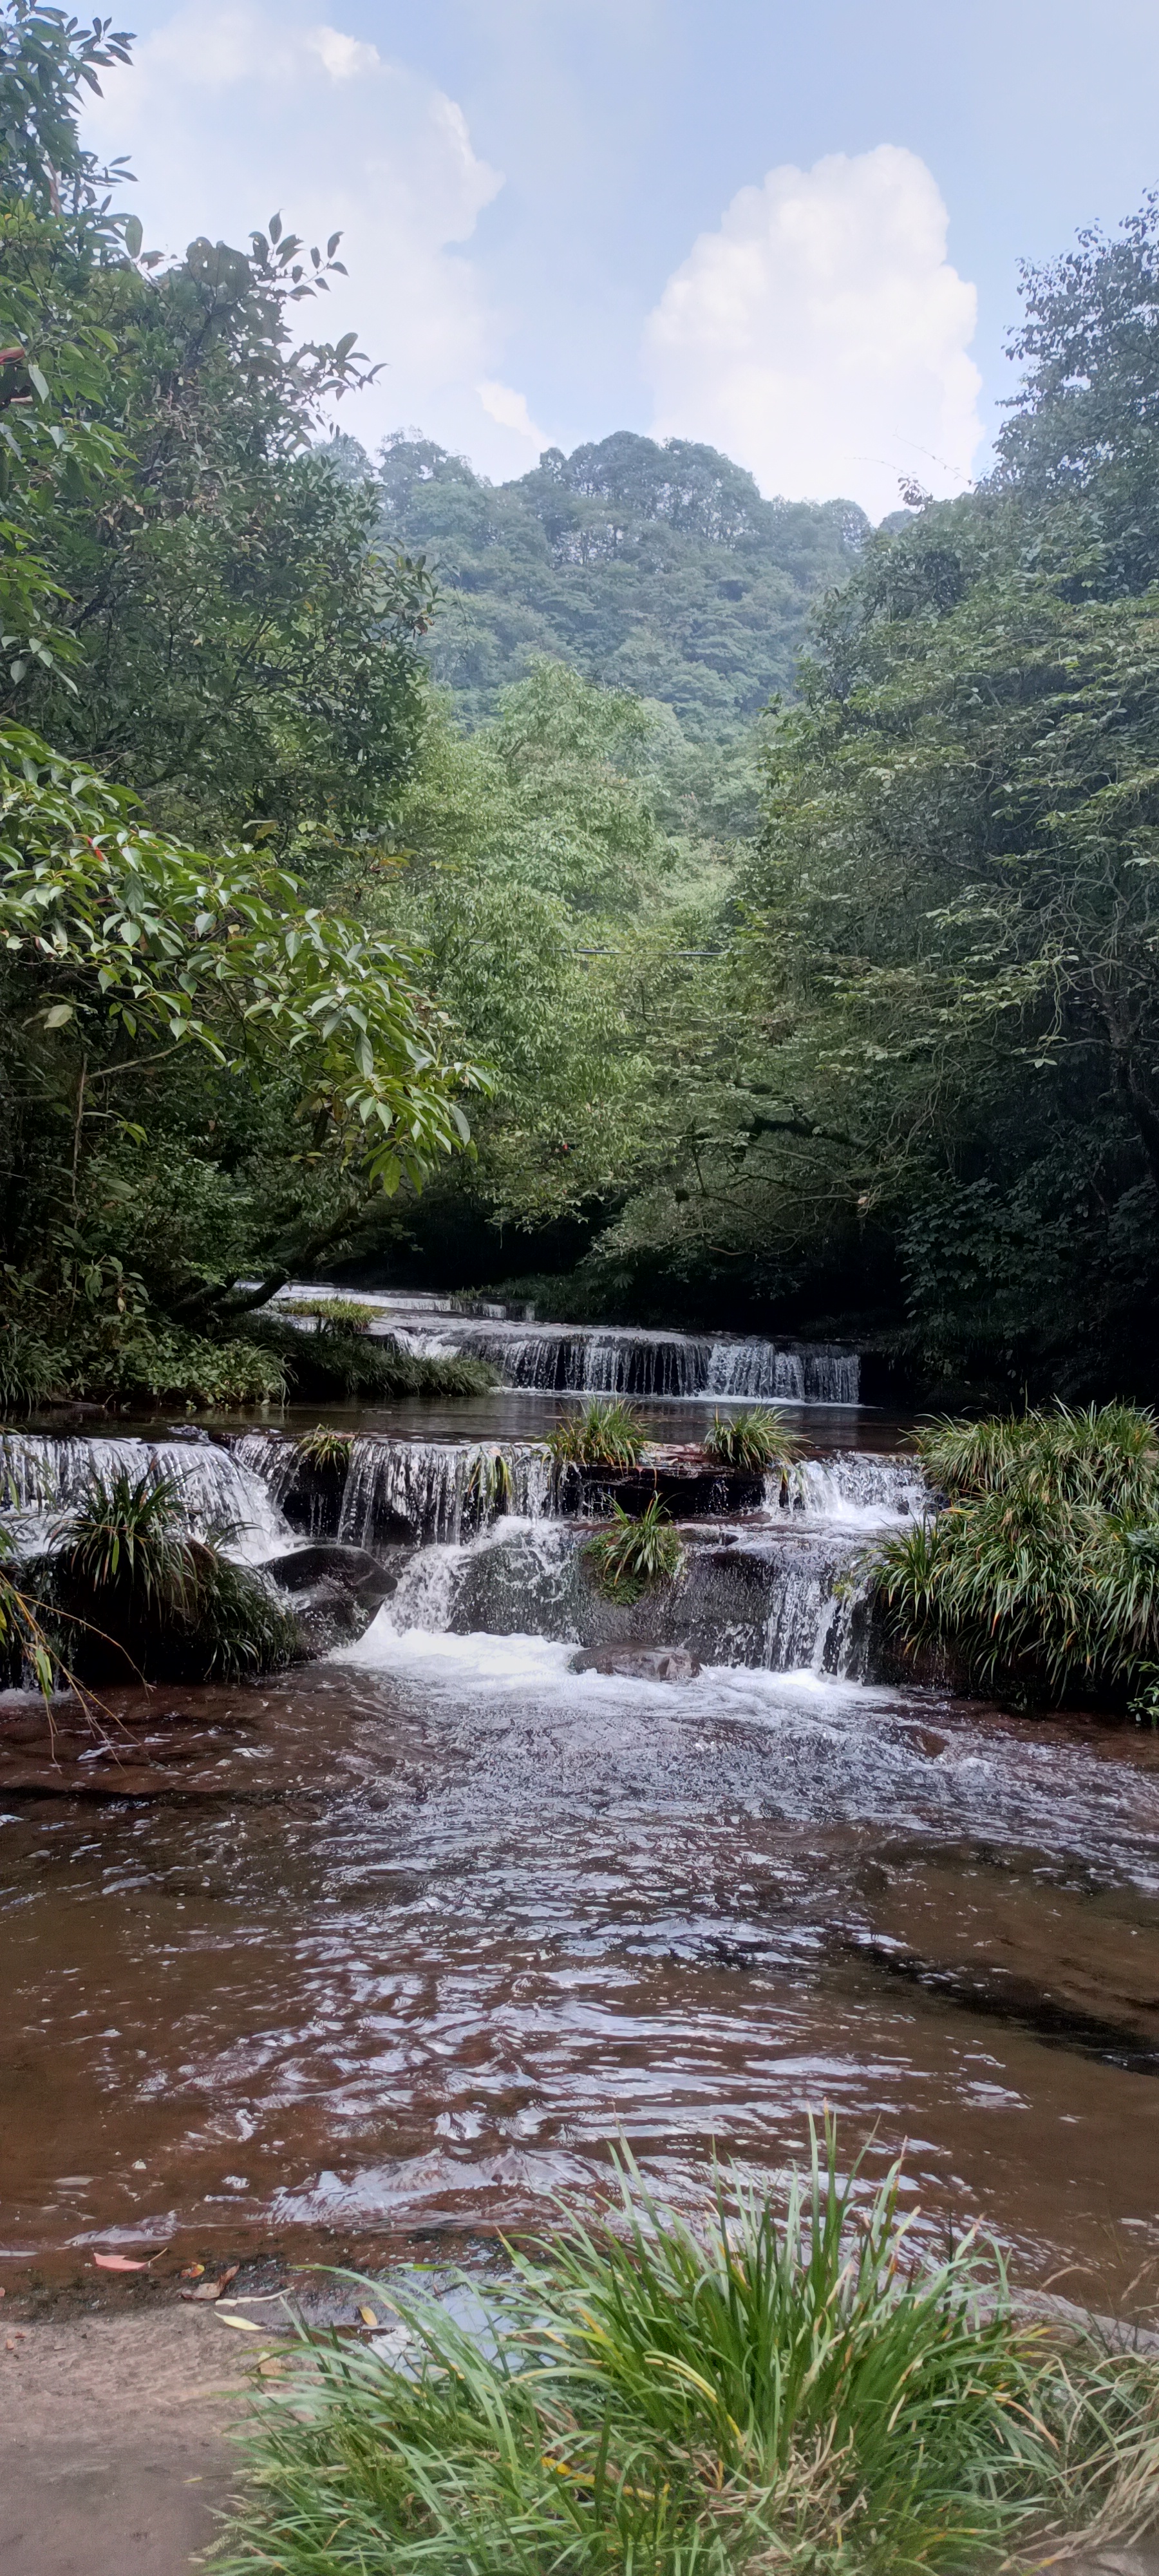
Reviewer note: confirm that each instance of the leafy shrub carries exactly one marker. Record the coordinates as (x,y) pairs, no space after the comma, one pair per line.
(751,1440)
(608,1433)
(135,1592)
(29,1370)
(1040,1580)
(798,2394)
(632,1555)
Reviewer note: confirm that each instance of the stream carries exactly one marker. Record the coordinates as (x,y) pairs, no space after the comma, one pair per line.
(411,1936)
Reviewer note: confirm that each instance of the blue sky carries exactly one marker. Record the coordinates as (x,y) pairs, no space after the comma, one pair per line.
(792,231)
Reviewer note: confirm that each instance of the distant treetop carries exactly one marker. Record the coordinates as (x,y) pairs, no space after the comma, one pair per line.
(655,568)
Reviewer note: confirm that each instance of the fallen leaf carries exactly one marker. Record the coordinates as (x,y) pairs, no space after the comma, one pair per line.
(245,2325)
(211,2289)
(118,2263)
(368,2316)
(193,2272)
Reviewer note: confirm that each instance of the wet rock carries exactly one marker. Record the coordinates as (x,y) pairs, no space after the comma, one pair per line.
(640,1663)
(335,1590)
(329,1561)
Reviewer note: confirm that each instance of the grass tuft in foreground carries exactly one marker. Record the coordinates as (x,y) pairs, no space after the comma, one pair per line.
(795,2392)
(1040,1580)
(752,1440)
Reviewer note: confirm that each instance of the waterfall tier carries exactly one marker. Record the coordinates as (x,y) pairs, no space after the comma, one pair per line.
(388,1489)
(597,1359)
(43,1479)
(779,1602)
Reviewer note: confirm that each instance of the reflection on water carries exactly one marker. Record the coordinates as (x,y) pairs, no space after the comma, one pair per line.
(417,1938)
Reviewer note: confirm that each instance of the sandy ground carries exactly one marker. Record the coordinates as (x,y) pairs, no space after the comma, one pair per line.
(113,2454)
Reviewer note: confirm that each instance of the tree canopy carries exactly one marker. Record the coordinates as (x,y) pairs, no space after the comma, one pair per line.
(657,569)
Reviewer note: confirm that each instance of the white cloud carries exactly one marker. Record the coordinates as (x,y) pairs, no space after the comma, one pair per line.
(231,115)
(501,403)
(820,336)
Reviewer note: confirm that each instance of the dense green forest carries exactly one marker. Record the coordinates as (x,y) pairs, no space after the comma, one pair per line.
(400,877)
(659,570)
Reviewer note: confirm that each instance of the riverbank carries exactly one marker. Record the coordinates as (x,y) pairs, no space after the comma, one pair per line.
(115,2450)
(116,2446)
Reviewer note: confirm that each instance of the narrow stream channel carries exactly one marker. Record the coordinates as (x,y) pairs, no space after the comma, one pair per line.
(413,1935)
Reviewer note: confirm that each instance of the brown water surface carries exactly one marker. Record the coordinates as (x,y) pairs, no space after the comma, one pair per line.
(372,1949)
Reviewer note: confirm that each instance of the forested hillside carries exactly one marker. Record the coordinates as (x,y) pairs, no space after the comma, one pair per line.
(655,569)
(577,969)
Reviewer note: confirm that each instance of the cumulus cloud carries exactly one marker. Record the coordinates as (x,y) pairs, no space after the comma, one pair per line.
(820,336)
(501,403)
(229,115)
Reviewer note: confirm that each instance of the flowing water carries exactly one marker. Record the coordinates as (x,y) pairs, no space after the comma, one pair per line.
(411,1936)
(609,1359)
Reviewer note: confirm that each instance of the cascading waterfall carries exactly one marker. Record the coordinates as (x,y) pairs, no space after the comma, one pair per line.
(864,1491)
(429,1490)
(559,1359)
(44,1478)
(804,1375)
(595,1359)
(438,1487)
(787,1604)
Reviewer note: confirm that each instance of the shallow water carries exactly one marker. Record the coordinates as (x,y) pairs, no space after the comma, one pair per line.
(414,1937)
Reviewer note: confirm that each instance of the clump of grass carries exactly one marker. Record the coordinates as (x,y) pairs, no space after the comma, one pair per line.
(751,1441)
(327,1451)
(1104,1454)
(608,1433)
(488,1485)
(141,1595)
(776,2392)
(1041,1578)
(336,1314)
(627,1559)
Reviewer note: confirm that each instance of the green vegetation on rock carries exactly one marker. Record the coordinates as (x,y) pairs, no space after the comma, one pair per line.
(634,1554)
(607,1433)
(753,1438)
(1039,1581)
(132,1594)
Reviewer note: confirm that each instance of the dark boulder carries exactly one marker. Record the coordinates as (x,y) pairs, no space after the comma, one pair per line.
(639,1663)
(351,1569)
